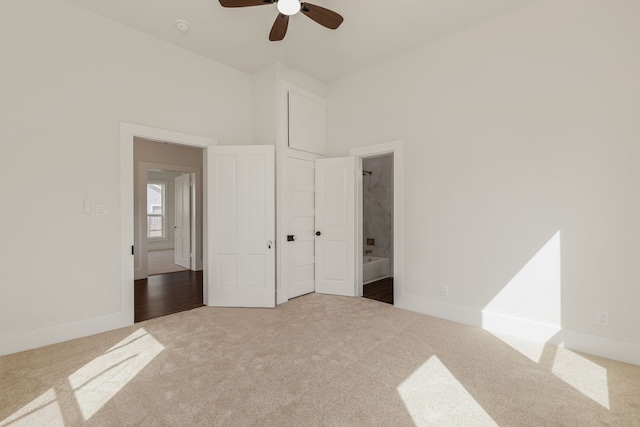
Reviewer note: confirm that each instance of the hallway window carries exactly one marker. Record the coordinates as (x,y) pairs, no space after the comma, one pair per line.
(156,210)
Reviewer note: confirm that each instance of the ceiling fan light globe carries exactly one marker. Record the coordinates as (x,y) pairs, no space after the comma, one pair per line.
(289,7)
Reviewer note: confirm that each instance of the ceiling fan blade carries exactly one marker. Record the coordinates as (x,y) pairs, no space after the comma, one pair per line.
(322,16)
(244,3)
(279,28)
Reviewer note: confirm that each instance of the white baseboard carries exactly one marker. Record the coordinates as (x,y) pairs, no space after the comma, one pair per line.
(621,351)
(40,337)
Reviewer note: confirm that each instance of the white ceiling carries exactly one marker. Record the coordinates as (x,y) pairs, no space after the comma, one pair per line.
(372,31)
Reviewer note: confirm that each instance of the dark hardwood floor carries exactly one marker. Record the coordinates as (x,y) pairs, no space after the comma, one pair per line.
(173,292)
(166,294)
(382,290)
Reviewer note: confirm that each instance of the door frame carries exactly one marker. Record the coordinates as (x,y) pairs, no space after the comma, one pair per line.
(196,233)
(128,131)
(397,149)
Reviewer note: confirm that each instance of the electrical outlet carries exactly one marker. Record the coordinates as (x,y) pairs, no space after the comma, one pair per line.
(444,290)
(602,318)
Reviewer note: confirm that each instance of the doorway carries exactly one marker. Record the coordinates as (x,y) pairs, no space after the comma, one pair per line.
(377,228)
(167,162)
(131,251)
(171,219)
(168,229)
(394,281)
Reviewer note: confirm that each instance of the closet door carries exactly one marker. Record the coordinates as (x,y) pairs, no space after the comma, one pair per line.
(300,244)
(241,222)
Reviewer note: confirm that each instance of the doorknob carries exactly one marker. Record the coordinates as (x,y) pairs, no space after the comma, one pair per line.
(291,238)
(318,233)
(269,243)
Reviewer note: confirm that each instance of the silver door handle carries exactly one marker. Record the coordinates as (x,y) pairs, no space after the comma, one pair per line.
(269,243)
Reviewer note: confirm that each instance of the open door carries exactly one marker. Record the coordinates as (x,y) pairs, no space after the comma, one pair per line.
(300,245)
(241,218)
(335,244)
(182,226)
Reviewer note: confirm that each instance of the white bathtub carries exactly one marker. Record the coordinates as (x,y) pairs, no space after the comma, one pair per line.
(374,268)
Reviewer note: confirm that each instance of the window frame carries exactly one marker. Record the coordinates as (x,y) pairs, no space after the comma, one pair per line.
(163,214)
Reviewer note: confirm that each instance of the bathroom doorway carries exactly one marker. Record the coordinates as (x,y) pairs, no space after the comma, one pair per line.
(377,227)
(395,151)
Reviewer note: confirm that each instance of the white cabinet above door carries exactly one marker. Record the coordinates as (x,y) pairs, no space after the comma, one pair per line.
(307,122)
(241,222)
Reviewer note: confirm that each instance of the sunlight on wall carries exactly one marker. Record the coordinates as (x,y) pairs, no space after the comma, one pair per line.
(98,381)
(433,396)
(583,375)
(44,410)
(533,294)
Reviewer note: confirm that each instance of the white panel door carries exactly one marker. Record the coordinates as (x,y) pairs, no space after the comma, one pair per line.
(241,218)
(182,227)
(335,226)
(301,227)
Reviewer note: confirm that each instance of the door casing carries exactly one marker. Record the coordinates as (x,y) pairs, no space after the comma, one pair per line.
(397,149)
(128,131)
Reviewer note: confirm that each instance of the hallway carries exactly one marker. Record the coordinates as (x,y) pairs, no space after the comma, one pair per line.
(165,294)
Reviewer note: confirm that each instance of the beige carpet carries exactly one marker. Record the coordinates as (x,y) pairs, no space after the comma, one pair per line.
(162,262)
(316,360)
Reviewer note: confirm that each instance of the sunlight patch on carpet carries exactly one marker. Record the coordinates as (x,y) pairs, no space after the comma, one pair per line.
(582,374)
(532,350)
(44,410)
(433,396)
(101,379)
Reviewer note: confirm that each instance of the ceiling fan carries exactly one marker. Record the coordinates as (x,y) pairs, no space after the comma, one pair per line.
(286,8)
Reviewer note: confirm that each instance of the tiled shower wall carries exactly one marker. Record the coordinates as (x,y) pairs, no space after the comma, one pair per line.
(377,190)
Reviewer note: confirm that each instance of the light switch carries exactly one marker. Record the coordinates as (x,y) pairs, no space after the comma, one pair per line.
(102,209)
(87,206)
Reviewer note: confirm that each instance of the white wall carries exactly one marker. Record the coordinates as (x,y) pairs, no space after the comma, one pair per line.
(68,78)
(522,147)
(265,105)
